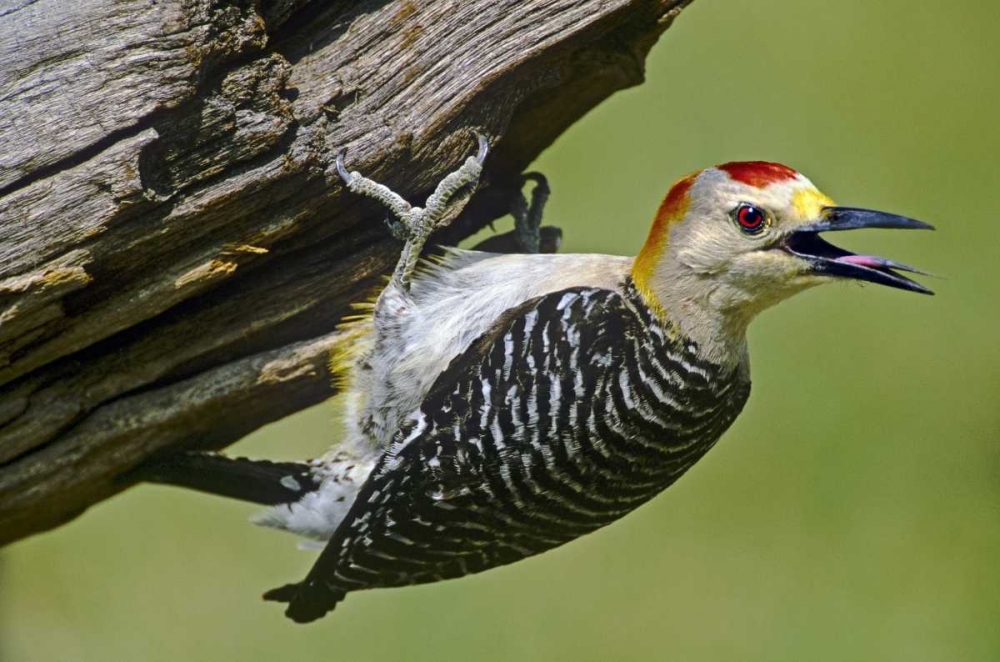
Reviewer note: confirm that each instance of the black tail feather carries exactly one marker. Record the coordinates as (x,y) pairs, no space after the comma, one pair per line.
(282,593)
(257,481)
(307,601)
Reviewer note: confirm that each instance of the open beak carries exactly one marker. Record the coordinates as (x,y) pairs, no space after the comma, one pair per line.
(829,260)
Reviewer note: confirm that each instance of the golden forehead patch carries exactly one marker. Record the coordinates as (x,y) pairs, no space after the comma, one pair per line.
(809,203)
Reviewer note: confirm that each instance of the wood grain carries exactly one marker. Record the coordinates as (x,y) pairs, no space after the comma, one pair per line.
(175,250)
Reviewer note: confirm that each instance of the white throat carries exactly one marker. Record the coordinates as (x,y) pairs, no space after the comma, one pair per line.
(705,311)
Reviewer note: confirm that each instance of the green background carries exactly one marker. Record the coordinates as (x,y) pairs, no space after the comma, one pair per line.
(853,511)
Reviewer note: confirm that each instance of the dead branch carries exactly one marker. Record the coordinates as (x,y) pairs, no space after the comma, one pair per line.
(175,251)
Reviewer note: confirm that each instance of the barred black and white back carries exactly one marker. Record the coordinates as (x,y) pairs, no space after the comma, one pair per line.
(399,352)
(575,408)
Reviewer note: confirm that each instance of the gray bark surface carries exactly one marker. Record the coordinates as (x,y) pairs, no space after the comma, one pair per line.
(175,249)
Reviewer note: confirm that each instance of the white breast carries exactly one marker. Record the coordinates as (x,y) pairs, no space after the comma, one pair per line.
(452,303)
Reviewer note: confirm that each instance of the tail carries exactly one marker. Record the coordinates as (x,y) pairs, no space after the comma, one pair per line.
(257,481)
(308,601)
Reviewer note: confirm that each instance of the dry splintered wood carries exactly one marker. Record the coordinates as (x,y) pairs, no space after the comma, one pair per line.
(175,247)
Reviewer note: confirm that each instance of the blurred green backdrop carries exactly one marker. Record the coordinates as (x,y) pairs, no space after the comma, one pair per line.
(852,513)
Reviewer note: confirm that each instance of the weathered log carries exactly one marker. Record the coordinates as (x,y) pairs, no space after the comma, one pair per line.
(175,250)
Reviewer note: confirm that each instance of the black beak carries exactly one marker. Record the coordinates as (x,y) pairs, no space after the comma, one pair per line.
(829,260)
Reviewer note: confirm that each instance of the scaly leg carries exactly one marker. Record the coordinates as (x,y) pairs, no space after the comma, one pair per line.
(415,223)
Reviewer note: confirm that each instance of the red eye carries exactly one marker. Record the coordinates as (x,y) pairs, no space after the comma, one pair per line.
(750,218)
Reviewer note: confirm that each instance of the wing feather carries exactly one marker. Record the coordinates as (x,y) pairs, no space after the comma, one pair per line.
(445,405)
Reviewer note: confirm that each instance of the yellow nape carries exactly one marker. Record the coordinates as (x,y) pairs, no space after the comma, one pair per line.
(673,209)
(809,203)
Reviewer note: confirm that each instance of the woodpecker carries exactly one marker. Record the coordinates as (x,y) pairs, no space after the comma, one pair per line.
(502,405)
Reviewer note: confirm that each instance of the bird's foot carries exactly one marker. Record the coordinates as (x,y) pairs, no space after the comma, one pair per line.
(415,224)
(528,215)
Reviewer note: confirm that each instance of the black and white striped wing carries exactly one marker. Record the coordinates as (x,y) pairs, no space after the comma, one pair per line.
(481,474)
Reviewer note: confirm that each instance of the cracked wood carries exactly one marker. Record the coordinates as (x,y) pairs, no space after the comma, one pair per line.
(174,249)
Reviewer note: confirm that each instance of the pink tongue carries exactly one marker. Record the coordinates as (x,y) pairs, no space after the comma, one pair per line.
(869,261)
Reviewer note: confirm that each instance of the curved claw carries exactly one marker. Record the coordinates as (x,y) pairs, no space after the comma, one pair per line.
(537,178)
(341,170)
(484,147)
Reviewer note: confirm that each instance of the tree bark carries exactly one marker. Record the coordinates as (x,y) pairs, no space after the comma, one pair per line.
(175,249)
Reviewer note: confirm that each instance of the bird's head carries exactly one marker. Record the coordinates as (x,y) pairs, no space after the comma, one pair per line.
(732,240)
